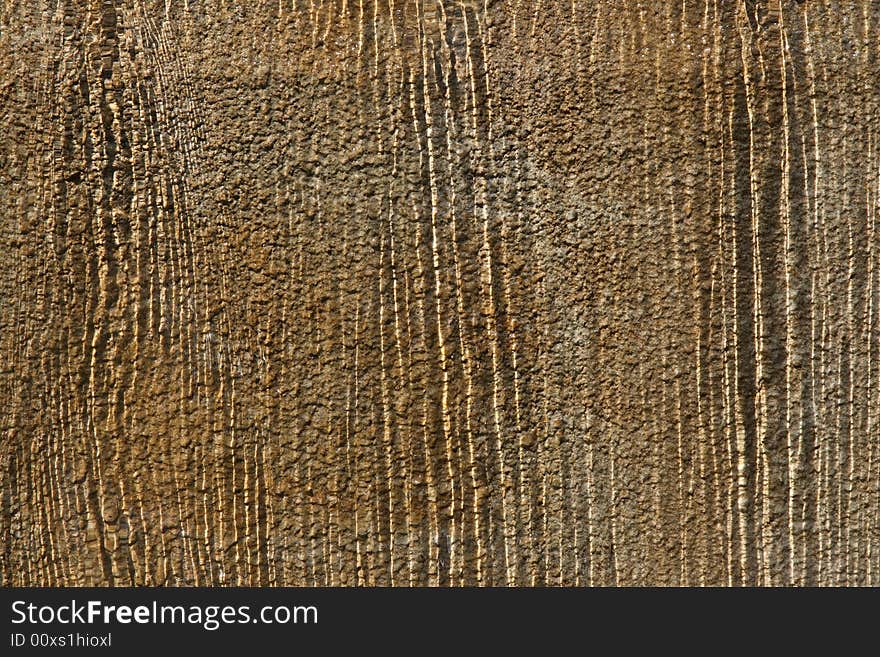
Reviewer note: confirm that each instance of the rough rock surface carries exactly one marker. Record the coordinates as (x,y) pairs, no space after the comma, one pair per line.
(439,292)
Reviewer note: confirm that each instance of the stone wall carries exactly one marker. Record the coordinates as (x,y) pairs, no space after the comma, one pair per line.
(439,292)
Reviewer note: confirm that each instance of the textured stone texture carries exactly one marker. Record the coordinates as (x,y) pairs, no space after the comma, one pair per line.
(439,292)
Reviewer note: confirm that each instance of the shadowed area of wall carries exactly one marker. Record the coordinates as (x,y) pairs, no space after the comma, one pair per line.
(439,292)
